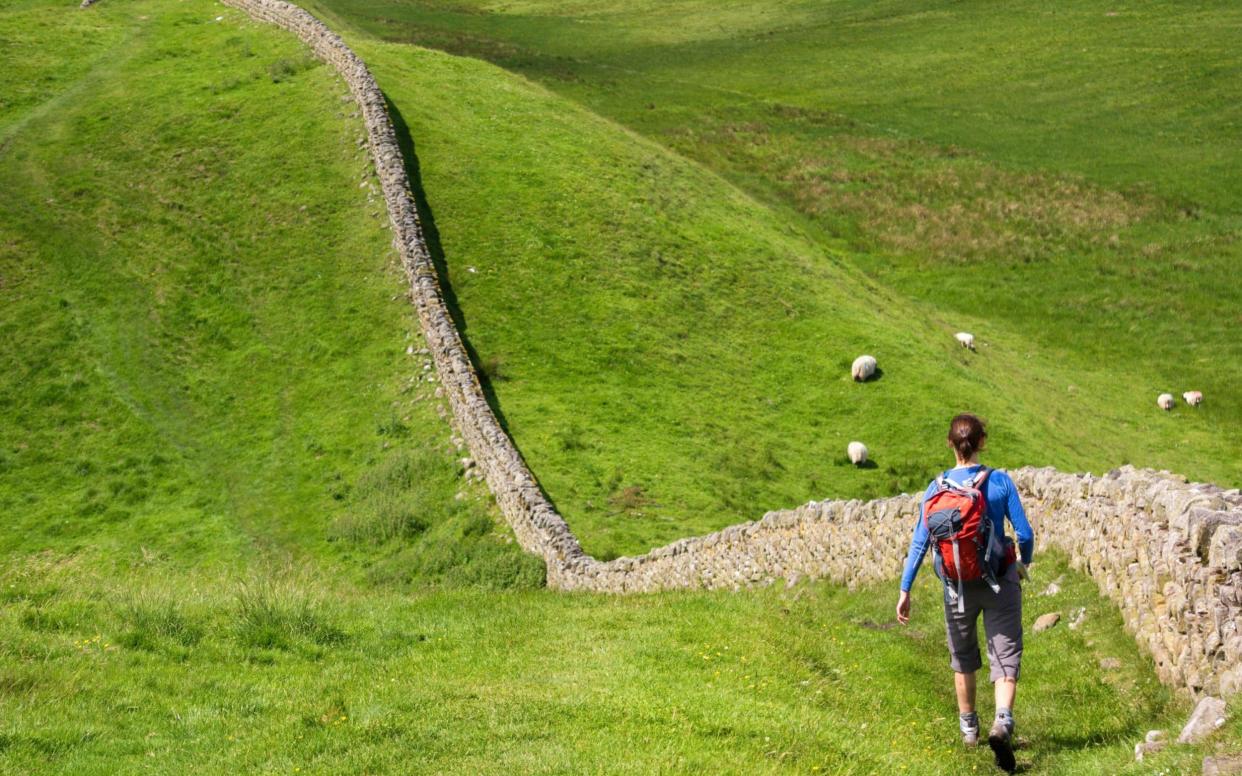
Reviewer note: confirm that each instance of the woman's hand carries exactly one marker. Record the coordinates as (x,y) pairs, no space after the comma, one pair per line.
(903,608)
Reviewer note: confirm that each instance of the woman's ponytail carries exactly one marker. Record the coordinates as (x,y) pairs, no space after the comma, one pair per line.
(966,434)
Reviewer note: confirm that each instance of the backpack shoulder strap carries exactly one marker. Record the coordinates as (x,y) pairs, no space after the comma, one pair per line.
(981,477)
(989,573)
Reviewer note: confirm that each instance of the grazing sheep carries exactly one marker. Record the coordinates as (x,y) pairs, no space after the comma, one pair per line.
(863,368)
(1165,401)
(1193,398)
(967,340)
(857,452)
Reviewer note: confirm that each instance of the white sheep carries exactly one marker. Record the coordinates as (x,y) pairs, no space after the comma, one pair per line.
(857,452)
(967,340)
(1165,401)
(863,368)
(1193,398)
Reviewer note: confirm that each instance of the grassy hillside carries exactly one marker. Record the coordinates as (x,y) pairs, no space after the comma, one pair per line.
(1076,212)
(234,538)
(203,333)
(1113,93)
(672,355)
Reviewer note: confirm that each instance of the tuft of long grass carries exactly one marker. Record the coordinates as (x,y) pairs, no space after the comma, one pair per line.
(398,499)
(278,614)
(419,522)
(153,620)
(287,67)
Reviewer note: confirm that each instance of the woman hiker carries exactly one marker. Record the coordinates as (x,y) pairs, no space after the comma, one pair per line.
(978,566)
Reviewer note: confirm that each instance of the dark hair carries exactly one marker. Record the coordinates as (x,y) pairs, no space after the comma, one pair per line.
(967,434)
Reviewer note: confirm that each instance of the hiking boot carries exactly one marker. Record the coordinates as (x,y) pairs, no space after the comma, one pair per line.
(968,723)
(1000,738)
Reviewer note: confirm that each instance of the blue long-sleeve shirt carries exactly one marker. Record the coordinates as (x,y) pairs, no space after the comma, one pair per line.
(1003,502)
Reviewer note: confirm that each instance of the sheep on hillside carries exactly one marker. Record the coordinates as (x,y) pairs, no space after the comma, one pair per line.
(863,368)
(967,340)
(1193,398)
(1165,401)
(857,452)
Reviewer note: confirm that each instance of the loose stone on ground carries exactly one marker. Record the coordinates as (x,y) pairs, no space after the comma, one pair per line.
(1209,715)
(1046,621)
(1154,742)
(1226,765)
(1054,587)
(1077,617)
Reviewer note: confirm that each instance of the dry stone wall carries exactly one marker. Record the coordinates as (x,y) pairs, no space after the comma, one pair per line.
(535,522)
(1168,552)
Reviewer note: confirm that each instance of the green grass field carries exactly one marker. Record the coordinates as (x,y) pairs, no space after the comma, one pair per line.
(155,670)
(238,538)
(672,343)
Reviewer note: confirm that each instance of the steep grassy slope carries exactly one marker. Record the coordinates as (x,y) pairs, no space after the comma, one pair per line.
(1059,181)
(231,525)
(673,356)
(203,338)
(40,78)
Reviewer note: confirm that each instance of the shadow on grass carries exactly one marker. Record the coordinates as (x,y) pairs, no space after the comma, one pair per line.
(431,234)
(847,463)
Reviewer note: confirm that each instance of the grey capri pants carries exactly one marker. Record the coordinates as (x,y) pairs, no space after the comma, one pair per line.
(1002,623)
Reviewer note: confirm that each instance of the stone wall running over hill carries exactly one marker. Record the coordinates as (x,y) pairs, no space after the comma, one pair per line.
(1169,553)
(538,527)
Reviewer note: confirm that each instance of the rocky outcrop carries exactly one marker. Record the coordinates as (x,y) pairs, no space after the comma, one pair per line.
(1168,552)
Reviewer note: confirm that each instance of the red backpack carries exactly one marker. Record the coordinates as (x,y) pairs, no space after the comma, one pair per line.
(956,518)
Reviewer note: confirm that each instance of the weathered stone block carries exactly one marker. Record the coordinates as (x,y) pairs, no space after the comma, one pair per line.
(1225,550)
(1208,715)
(1045,621)
(1202,524)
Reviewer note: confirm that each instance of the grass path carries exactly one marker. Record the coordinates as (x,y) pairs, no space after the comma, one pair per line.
(159,671)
